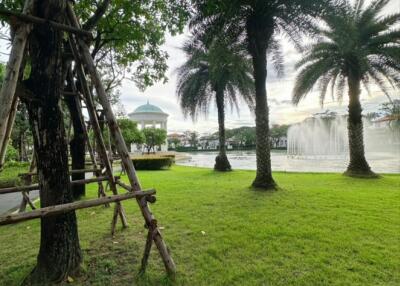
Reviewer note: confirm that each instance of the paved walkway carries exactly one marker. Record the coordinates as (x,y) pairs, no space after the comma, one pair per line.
(11,201)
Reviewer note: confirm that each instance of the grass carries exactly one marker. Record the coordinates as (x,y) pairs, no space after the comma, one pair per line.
(9,176)
(320,229)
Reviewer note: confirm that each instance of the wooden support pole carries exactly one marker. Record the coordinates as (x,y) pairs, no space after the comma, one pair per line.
(41,21)
(19,189)
(120,144)
(36,186)
(26,198)
(9,127)
(27,181)
(71,172)
(146,252)
(64,208)
(150,199)
(97,131)
(78,104)
(7,92)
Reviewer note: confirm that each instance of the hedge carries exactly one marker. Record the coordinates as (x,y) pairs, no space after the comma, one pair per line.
(152,163)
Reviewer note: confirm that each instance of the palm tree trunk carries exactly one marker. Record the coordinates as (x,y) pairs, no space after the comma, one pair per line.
(263,178)
(221,161)
(358,165)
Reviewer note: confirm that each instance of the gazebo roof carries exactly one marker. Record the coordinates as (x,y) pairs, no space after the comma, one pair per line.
(148,108)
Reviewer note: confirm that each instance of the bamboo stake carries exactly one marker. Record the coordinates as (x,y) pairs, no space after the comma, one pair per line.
(120,144)
(7,92)
(64,208)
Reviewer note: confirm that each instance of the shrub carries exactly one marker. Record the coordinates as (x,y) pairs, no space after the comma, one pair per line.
(152,163)
(11,154)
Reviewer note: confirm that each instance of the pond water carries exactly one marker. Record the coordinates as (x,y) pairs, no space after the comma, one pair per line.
(380,162)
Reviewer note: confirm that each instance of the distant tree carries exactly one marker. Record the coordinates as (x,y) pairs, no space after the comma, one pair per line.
(371,116)
(2,73)
(392,111)
(130,132)
(193,139)
(356,46)
(11,154)
(175,142)
(248,134)
(21,134)
(220,71)
(277,132)
(154,137)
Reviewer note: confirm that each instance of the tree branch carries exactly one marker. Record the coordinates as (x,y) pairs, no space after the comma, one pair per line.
(100,11)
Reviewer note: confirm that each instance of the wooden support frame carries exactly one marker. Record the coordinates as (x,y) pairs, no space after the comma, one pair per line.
(36,20)
(97,132)
(64,208)
(7,93)
(36,186)
(85,67)
(87,60)
(27,179)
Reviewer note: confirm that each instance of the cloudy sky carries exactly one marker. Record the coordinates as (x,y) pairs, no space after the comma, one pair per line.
(279,94)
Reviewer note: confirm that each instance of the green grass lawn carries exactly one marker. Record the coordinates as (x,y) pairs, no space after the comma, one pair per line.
(320,229)
(9,176)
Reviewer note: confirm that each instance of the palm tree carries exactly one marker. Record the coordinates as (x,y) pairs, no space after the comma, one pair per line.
(219,71)
(257,22)
(356,46)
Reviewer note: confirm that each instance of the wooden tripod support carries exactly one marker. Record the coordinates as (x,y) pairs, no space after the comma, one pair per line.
(85,69)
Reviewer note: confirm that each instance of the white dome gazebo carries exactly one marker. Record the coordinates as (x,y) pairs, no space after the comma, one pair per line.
(149,115)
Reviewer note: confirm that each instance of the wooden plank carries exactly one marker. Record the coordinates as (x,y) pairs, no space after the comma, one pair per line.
(64,208)
(41,21)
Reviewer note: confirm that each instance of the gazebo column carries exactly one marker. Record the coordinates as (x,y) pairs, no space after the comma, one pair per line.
(143,125)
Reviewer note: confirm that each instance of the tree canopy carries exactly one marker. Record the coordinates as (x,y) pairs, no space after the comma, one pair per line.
(154,137)
(221,68)
(127,36)
(130,132)
(357,41)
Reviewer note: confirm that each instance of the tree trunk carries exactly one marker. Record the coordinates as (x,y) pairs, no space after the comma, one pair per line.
(59,255)
(358,165)
(77,147)
(258,40)
(221,161)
